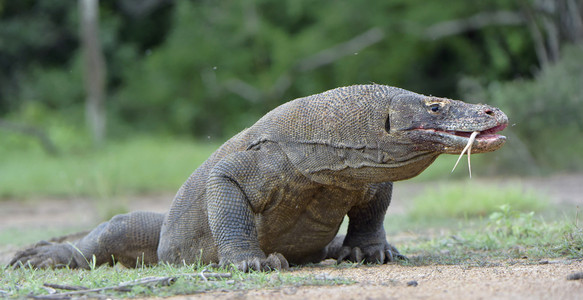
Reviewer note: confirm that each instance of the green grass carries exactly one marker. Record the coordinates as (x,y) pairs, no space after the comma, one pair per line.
(140,165)
(467,199)
(505,235)
(25,282)
(481,224)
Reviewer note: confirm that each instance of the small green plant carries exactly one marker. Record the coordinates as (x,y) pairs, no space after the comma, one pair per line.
(509,228)
(511,223)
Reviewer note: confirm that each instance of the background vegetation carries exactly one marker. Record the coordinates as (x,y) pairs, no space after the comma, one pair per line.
(192,73)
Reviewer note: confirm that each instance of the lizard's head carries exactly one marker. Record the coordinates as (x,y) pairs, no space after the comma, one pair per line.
(376,133)
(444,125)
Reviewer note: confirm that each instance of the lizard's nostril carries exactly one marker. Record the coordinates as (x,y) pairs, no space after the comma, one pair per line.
(489,112)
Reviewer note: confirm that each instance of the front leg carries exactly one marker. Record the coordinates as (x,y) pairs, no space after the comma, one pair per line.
(232,218)
(366,239)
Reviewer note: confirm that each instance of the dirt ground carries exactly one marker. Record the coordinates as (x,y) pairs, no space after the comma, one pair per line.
(542,281)
(506,280)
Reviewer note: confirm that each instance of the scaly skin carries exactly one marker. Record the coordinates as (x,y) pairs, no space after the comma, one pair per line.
(277,192)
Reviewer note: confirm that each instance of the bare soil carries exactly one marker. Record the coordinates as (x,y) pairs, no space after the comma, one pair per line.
(505,280)
(540,281)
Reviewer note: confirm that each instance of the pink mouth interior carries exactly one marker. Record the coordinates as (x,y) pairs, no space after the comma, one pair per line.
(488,133)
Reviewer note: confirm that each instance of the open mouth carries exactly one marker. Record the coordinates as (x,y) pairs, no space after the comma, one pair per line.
(485,134)
(486,140)
(487,137)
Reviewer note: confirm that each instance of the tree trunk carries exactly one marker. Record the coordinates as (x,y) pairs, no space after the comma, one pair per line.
(94,69)
(39,133)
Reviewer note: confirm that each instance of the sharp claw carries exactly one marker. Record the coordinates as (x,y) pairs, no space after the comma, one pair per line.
(284,264)
(45,264)
(402,257)
(243,266)
(378,257)
(24,254)
(15,265)
(374,255)
(389,256)
(14,261)
(214,266)
(255,264)
(19,265)
(273,262)
(356,255)
(19,260)
(343,254)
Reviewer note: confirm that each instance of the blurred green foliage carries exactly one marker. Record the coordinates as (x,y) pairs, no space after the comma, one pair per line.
(206,68)
(209,69)
(546,128)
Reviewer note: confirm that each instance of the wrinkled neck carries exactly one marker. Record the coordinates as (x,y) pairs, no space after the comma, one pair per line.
(356,178)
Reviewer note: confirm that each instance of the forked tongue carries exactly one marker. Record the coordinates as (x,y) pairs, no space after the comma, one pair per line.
(469,149)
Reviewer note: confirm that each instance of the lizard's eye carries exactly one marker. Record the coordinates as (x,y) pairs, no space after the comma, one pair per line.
(434,107)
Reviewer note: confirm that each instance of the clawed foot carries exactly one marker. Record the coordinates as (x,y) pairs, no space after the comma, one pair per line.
(378,254)
(274,261)
(44,255)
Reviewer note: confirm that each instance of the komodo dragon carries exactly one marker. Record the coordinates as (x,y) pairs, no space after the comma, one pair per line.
(276,193)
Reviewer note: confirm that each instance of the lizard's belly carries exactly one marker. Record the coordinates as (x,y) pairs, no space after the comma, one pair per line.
(301,223)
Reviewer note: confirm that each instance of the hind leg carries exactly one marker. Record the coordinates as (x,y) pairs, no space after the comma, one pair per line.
(131,239)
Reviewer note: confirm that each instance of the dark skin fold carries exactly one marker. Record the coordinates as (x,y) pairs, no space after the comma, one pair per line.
(276,193)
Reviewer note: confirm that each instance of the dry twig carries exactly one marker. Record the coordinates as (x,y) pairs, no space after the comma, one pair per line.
(124,286)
